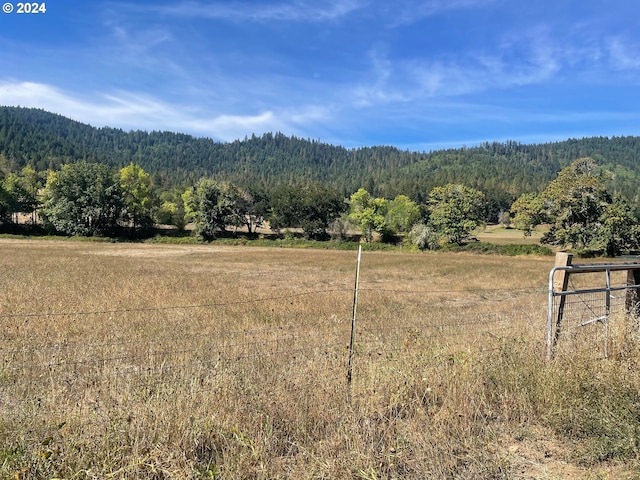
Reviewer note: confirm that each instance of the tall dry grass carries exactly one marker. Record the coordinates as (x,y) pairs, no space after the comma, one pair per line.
(141,361)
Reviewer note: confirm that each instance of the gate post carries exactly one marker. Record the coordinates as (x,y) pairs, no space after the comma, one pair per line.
(559,283)
(632,297)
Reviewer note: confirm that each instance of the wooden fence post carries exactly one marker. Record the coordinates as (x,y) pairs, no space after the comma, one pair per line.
(560,283)
(632,297)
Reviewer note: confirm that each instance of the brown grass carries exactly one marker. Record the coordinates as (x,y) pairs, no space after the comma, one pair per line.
(158,361)
(502,236)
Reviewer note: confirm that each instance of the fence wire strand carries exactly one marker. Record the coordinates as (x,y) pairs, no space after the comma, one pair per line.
(135,356)
(200,361)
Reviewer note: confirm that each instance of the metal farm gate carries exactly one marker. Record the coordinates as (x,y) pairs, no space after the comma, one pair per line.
(583,299)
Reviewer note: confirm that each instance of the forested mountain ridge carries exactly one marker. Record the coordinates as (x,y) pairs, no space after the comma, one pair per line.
(503,171)
(46,141)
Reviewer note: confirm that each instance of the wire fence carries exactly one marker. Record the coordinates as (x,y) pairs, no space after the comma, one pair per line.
(181,347)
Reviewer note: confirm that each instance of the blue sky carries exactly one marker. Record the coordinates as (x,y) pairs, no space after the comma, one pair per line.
(416,74)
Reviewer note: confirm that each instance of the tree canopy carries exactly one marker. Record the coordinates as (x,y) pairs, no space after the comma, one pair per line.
(82,199)
(369,214)
(455,211)
(580,211)
(207,206)
(139,201)
(311,207)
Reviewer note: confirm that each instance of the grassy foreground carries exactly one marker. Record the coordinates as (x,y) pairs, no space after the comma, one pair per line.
(204,361)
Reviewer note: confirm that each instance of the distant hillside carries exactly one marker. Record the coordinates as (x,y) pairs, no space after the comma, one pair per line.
(502,170)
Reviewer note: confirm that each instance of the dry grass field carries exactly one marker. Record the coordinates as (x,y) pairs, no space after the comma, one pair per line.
(138,361)
(499,235)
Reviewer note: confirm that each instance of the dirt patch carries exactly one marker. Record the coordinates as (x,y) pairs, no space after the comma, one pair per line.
(539,455)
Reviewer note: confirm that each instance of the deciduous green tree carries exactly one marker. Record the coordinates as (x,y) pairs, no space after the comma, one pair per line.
(285,204)
(312,207)
(528,212)
(455,211)
(574,203)
(258,207)
(580,212)
(402,214)
(206,207)
(4,202)
(369,214)
(20,193)
(171,209)
(32,183)
(214,205)
(619,230)
(82,199)
(16,195)
(424,237)
(237,204)
(138,197)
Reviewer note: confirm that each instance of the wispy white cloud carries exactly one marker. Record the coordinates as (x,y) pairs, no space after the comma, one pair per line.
(378,87)
(418,78)
(623,54)
(131,110)
(232,126)
(410,11)
(133,42)
(124,110)
(533,59)
(301,10)
(140,40)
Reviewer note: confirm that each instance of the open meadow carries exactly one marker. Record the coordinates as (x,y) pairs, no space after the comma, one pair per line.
(141,361)
(497,234)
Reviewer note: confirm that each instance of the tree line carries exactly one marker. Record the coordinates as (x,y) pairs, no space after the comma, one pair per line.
(90,199)
(93,199)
